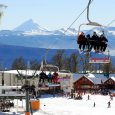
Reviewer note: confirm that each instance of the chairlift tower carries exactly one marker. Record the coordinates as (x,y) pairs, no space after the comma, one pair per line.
(108,66)
(2,8)
(27,85)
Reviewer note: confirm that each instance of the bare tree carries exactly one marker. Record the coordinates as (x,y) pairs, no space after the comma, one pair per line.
(85,62)
(34,65)
(58,58)
(74,63)
(66,63)
(108,67)
(19,63)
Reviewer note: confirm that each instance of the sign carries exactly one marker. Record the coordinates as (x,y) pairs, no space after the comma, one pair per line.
(99,60)
(65,78)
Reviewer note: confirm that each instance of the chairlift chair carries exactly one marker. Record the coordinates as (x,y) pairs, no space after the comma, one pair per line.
(49,67)
(90,23)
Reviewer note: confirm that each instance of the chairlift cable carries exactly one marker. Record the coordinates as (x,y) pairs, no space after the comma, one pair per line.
(110,23)
(89,21)
(69,27)
(75,20)
(78,17)
(46,53)
(107,27)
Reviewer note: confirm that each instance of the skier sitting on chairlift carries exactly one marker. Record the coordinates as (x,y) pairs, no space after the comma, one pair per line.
(103,43)
(55,77)
(82,41)
(95,41)
(88,44)
(50,77)
(43,77)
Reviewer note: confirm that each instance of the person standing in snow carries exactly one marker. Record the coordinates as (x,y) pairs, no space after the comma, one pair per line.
(94,104)
(88,97)
(109,104)
(111,96)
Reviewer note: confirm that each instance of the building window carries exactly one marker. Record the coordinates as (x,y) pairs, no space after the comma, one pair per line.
(85,86)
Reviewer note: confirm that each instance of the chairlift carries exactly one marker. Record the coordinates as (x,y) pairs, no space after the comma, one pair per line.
(64,71)
(47,67)
(90,23)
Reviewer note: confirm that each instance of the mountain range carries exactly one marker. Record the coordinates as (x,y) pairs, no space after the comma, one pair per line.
(29,38)
(30,34)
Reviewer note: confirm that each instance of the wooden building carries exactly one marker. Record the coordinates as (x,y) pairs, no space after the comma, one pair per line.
(88,82)
(110,83)
(83,83)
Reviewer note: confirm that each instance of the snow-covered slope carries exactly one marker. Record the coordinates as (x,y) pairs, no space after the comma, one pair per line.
(50,105)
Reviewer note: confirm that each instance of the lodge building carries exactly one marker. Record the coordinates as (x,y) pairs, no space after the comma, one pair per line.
(83,83)
(93,82)
(110,83)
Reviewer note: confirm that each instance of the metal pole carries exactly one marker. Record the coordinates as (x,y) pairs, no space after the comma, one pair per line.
(108,64)
(3,78)
(27,112)
(17,105)
(88,11)
(90,22)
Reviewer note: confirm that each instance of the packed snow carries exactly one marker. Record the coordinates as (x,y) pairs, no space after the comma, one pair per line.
(66,106)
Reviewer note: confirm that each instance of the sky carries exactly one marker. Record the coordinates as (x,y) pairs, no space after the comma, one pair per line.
(56,14)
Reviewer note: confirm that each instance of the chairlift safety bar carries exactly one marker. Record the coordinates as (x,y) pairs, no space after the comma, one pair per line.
(99,60)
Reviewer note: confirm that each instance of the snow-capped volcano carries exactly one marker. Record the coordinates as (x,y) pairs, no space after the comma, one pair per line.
(30,26)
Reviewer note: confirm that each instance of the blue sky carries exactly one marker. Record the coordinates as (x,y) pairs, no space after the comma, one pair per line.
(55,14)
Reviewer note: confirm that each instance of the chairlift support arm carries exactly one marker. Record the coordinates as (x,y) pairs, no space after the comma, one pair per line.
(90,22)
(19,73)
(88,11)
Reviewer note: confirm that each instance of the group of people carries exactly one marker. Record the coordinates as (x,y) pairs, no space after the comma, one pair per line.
(5,105)
(52,78)
(87,42)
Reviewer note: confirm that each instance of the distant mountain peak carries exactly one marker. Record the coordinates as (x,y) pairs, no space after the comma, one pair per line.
(29,26)
(30,20)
